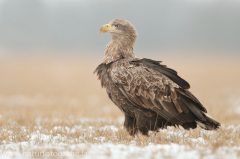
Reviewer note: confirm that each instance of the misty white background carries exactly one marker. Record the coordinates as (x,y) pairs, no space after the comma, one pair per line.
(187,26)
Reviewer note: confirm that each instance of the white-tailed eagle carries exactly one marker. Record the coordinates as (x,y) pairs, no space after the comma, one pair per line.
(151,95)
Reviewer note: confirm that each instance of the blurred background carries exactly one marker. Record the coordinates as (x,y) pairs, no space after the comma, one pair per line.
(166,25)
(50,48)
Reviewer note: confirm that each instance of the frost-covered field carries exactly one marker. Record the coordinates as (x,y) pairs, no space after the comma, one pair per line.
(104,138)
(56,108)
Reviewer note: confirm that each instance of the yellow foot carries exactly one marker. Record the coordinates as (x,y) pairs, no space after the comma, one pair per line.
(131,137)
(144,137)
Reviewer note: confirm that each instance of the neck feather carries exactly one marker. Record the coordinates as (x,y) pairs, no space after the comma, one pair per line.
(119,48)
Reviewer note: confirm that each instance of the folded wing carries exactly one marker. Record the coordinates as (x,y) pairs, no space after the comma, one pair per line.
(147,83)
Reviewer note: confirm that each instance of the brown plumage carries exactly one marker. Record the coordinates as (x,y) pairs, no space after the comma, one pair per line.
(150,95)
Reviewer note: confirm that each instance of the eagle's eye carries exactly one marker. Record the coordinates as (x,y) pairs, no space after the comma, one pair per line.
(116,26)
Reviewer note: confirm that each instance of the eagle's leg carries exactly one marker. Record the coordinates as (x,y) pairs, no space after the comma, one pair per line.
(146,120)
(130,125)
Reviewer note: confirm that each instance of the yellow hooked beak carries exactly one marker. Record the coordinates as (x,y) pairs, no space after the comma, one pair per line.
(107,28)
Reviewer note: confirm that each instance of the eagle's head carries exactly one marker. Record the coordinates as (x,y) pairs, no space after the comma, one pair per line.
(123,40)
(120,30)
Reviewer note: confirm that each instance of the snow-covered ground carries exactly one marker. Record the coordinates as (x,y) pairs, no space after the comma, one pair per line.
(121,151)
(112,141)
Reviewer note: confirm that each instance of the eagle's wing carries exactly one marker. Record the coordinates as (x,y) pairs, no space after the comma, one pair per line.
(147,83)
